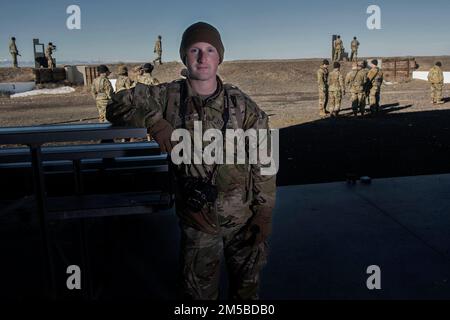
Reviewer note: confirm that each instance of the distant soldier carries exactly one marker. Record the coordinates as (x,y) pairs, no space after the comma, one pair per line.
(355,47)
(338,45)
(356,80)
(48,55)
(158,50)
(336,89)
(147,78)
(322,81)
(374,82)
(102,91)
(436,80)
(123,82)
(13,51)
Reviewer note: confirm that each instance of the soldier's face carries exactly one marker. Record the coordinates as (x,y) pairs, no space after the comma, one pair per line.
(202,61)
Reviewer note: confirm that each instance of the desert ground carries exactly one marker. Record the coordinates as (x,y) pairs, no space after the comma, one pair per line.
(285,89)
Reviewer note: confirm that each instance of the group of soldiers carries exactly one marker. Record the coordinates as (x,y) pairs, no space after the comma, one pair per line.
(338,46)
(102,88)
(48,53)
(363,83)
(51,48)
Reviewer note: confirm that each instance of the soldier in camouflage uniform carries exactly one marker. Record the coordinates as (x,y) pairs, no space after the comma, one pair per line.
(436,80)
(48,55)
(123,82)
(356,80)
(322,81)
(336,89)
(158,50)
(13,51)
(355,46)
(374,82)
(146,77)
(238,221)
(102,91)
(338,45)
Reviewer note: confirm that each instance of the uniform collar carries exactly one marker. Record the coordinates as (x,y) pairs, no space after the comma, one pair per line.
(214,101)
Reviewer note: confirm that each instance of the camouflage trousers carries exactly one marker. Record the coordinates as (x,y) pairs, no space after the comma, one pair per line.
(50,62)
(337,54)
(158,57)
(335,99)
(354,55)
(14,56)
(358,102)
(436,92)
(323,101)
(200,264)
(101,107)
(374,99)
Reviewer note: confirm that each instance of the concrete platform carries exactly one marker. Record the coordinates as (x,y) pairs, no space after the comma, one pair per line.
(324,238)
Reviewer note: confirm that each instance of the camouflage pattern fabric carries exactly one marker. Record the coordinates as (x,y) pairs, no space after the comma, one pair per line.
(355,47)
(123,83)
(147,79)
(322,81)
(201,254)
(243,192)
(14,52)
(158,51)
(436,80)
(356,80)
(337,49)
(336,90)
(48,55)
(374,80)
(102,91)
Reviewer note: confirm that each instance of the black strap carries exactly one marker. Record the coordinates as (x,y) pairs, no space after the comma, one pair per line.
(183,107)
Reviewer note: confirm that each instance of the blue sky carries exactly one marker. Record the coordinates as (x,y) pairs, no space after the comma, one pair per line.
(125,30)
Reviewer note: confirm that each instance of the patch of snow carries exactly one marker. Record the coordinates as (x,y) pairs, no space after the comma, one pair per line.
(423,75)
(61,90)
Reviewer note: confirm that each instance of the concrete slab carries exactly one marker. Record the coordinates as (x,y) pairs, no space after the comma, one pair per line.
(324,238)
(326,235)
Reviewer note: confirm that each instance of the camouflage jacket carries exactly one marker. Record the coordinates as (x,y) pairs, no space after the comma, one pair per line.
(123,83)
(322,78)
(338,43)
(101,88)
(375,78)
(243,190)
(436,76)
(355,45)
(13,48)
(158,46)
(356,80)
(147,79)
(48,51)
(336,81)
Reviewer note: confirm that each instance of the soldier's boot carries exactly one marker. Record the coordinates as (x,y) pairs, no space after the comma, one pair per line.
(373,109)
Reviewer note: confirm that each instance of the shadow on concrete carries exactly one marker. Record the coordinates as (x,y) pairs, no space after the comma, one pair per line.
(386,145)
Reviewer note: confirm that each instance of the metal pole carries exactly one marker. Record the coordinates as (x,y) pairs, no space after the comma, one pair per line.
(41,203)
